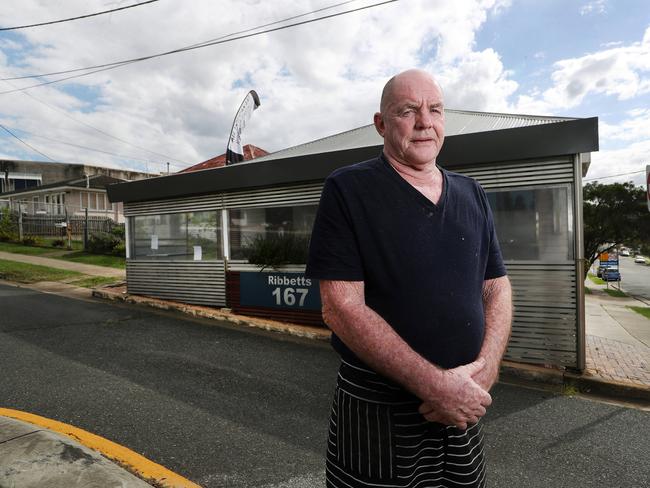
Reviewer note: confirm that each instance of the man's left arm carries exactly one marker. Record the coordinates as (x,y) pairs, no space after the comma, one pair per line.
(497,308)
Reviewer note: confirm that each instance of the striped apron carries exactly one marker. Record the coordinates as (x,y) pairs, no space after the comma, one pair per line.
(377,438)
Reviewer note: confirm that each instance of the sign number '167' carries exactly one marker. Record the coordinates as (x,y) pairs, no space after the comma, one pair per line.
(289,296)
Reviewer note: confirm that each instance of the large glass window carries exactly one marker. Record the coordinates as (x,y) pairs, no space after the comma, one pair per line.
(534,224)
(194,236)
(254,230)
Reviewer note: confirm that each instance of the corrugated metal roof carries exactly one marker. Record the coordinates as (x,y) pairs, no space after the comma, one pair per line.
(456,122)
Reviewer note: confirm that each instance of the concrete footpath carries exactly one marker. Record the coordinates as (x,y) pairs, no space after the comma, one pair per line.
(31,456)
(36,453)
(618,338)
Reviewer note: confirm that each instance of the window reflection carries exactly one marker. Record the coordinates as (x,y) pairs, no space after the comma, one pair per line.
(534,223)
(285,226)
(183,236)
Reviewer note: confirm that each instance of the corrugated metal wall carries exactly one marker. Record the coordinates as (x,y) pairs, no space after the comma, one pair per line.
(202,282)
(545,321)
(193,204)
(274,197)
(199,282)
(545,327)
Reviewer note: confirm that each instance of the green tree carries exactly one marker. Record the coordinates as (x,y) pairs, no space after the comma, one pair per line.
(614,214)
(8,225)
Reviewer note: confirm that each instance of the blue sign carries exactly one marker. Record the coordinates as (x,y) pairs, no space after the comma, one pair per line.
(278,290)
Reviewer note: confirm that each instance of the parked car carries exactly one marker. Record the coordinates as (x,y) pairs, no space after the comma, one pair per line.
(599,271)
(611,274)
(639,259)
(624,252)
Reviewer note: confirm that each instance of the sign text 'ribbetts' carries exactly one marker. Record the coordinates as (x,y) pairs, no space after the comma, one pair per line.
(278,290)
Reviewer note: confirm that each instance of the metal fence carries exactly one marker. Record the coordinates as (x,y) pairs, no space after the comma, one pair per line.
(60,209)
(57,221)
(55,226)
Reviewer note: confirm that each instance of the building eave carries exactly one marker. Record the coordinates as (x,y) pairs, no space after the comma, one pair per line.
(520,143)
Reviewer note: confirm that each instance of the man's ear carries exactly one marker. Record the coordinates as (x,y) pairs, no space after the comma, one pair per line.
(379,124)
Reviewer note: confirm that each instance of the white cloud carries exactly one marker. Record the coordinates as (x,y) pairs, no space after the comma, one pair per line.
(594,7)
(636,127)
(629,162)
(625,147)
(314,80)
(611,44)
(621,72)
(478,81)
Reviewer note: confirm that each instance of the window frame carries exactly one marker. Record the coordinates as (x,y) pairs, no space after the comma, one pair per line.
(570,228)
(166,257)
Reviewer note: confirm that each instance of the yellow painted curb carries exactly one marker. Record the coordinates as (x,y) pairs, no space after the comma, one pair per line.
(140,465)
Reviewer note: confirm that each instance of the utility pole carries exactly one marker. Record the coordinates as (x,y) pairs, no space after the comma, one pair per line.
(86,229)
(20,222)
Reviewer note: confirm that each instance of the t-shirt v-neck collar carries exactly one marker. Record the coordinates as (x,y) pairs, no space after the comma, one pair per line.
(417,194)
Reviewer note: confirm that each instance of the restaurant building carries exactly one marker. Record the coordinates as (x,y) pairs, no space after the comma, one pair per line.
(191,237)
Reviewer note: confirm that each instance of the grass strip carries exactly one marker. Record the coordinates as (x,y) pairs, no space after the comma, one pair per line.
(645,311)
(615,293)
(94,281)
(595,279)
(44,246)
(117,262)
(22,249)
(32,273)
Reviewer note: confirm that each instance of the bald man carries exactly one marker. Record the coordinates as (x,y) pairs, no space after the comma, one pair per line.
(414,289)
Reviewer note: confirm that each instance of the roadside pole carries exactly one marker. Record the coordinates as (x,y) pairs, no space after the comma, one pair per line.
(86,229)
(20,222)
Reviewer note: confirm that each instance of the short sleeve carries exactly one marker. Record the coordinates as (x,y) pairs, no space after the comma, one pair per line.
(495,267)
(333,247)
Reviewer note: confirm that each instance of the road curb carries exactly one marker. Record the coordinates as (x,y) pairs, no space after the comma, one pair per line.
(516,373)
(309,332)
(569,382)
(122,456)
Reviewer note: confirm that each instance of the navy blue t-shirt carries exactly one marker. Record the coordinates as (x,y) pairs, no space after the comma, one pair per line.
(422,264)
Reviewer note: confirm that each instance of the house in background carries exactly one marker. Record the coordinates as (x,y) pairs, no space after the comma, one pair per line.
(60,189)
(20,175)
(68,198)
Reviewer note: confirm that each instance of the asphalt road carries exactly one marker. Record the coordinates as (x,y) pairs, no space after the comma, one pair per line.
(230,407)
(635,278)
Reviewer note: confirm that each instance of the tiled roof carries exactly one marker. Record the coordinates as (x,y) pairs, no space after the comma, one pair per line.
(250,152)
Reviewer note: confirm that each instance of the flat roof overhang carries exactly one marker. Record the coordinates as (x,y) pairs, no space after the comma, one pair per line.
(537,141)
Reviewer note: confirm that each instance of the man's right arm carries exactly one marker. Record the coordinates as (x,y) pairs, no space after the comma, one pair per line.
(457,399)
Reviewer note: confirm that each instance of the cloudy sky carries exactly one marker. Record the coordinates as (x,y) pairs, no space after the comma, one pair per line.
(577,58)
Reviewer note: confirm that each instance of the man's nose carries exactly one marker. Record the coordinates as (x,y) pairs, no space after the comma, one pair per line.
(423,119)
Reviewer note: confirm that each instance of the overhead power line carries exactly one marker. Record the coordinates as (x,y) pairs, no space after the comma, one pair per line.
(181,49)
(614,176)
(87,148)
(76,18)
(31,147)
(222,40)
(103,132)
